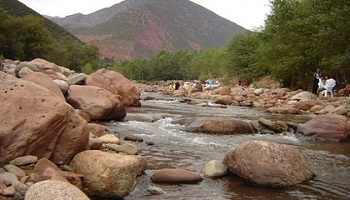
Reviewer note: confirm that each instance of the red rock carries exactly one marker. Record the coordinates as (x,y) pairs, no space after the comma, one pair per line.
(175,176)
(117,84)
(329,127)
(33,121)
(99,103)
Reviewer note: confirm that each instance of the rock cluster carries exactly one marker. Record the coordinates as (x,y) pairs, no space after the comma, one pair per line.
(273,99)
(45,121)
(50,145)
(333,113)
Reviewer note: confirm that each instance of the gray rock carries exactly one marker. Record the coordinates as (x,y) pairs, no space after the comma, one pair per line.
(63,85)
(15,170)
(75,79)
(215,168)
(259,91)
(24,71)
(302,96)
(20,187)
(123,148)
(153,190)
(8,178)
(24,160)
(65,71)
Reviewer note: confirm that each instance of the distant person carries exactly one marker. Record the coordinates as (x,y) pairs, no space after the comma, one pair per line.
(328,84)
(177,85)
(316,80)
(209,83)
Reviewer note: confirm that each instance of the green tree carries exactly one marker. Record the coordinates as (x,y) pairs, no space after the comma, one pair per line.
(244,52)
(301,35)
(24,38)
(73,54)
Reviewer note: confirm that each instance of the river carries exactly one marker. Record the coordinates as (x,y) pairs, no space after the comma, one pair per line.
(175,148)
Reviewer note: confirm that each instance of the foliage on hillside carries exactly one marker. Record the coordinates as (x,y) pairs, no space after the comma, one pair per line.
(299,36)
(140,29)
(16,8)
(25,35)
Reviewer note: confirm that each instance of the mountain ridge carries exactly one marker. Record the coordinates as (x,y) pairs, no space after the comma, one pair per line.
(138,28)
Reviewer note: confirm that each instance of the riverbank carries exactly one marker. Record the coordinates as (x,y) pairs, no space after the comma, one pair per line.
(270,98)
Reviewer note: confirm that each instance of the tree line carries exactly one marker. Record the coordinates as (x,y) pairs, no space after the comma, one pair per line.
(299,36)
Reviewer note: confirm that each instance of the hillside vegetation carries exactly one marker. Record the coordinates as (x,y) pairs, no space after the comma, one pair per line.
(299,36)
(25,35)
(140,29)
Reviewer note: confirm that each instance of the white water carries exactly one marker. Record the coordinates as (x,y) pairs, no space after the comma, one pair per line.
(176,148)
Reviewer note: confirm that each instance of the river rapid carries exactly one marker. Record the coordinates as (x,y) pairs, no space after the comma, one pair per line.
(175,148)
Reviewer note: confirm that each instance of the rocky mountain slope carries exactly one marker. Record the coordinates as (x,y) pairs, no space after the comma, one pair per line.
(140,28)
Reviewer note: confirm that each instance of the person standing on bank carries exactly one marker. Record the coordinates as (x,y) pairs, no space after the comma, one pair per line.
(317,76)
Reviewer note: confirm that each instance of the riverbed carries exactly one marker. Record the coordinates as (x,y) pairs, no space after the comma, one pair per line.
(176,148)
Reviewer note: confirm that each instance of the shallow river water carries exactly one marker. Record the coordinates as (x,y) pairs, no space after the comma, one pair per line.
(175,148)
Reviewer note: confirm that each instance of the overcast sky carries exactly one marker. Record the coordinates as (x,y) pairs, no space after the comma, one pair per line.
(248,13)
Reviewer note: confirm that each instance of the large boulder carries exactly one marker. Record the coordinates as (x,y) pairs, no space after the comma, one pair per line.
(329,127)
(97,102)
(218,125)
(108,175)
(41,79)
(117,84)
(54,190)
(34,121)
(268,164)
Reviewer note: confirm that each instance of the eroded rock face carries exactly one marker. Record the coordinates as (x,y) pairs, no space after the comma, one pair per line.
(268,164)
(108,175)
(218,125)
(117,84)
(97,102)
(329,127)
(33,121)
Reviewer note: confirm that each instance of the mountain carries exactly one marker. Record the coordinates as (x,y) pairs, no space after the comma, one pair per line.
(141,28)
(16,8)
